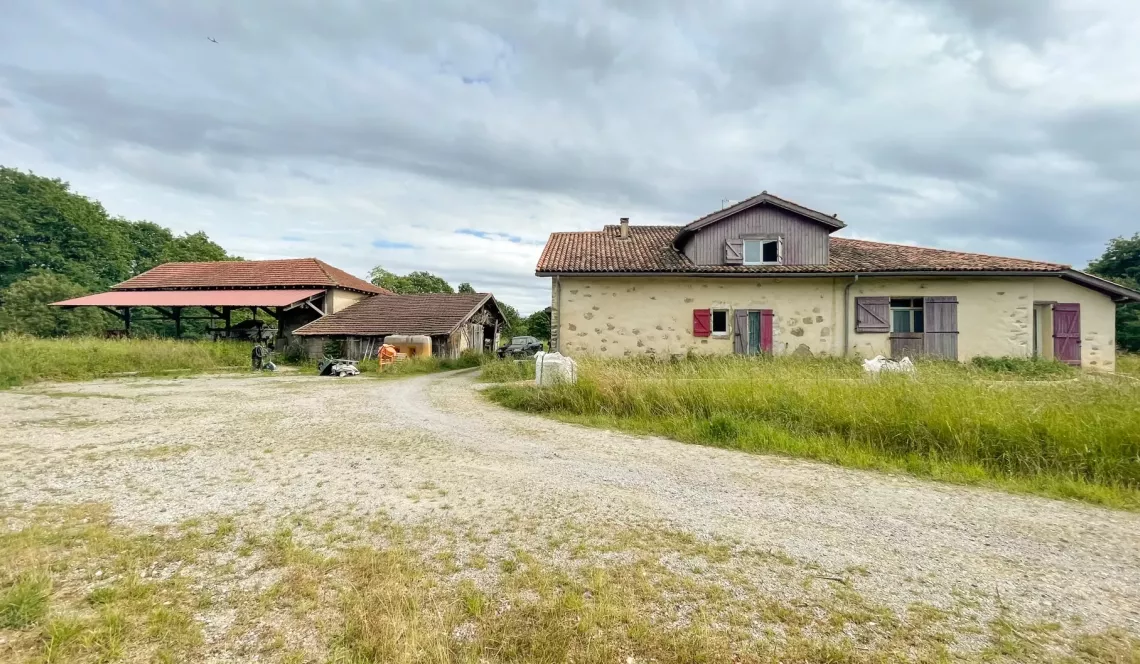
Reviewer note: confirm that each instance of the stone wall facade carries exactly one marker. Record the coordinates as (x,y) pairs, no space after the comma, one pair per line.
(624,316)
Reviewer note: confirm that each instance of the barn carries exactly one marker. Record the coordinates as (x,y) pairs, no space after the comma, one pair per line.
(456,322)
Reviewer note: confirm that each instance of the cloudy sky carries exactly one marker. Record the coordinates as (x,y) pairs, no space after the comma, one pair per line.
(454,136)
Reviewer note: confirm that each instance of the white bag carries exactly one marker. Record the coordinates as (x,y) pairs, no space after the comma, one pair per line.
(879,364)
(551,368)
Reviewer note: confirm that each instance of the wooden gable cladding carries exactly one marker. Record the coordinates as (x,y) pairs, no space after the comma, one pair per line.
(940,338)
(802,241)
(873,314)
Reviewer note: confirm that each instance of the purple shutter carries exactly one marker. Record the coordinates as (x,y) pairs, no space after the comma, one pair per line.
(940,321)
(872,314)
(734,251)
(1067,333)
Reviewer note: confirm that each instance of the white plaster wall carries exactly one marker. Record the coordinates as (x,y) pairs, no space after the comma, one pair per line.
(622,316)
(618,316)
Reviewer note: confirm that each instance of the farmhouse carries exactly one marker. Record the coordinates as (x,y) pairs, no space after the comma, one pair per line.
(766,275)
(292,291)
(455,322)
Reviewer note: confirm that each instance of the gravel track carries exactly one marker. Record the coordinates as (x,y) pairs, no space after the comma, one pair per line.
(160,451)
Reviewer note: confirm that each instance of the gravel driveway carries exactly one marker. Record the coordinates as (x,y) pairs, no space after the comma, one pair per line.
(161,451)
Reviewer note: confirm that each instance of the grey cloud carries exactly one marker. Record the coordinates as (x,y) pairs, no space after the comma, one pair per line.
(882,111)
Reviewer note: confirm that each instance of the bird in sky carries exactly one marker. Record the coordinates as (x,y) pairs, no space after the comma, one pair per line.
(212,39)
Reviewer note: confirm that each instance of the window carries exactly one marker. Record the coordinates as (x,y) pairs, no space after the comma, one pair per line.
(719,322)
(761,252)
(906,314)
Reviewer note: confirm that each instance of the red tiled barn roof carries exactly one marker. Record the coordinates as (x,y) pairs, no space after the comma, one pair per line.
(289,272)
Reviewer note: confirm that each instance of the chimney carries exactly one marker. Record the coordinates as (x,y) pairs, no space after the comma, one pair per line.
(625,227)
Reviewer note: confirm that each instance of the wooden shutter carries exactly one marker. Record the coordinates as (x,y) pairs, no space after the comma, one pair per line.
(702,322)
(872,314)
(766,331)
(780,250)
(1067,333)
(940,320)
(740,331)
(734,251)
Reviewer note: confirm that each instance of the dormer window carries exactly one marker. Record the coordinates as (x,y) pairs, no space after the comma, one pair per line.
(762,252)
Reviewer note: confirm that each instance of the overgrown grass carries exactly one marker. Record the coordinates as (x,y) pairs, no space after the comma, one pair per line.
(1027,368)
(507,371)
(1075,438)
(1128,364)
(27,359)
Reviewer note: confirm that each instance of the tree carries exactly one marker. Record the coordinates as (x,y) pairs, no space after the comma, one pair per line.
(1121,263)
(26,308)
(45,227)
(514,325)
(411,283)
(465,288)
(538,324)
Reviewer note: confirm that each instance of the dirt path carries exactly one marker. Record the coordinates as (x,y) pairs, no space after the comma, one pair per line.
(161,451)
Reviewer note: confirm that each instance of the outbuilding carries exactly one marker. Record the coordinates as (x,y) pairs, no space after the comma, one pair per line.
(292,291)
(455,322)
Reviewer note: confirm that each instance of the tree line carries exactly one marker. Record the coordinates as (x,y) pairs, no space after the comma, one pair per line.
(56,244)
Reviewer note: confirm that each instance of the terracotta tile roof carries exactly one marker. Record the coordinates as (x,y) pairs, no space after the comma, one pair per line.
(434,313)
(650,249)
(289,272)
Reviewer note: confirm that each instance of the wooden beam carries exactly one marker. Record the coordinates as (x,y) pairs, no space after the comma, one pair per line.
(169,315)
(177,322)
(117,314)
(227,311)
(314,307)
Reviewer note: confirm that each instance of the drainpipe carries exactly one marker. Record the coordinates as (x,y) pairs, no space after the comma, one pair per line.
(847,316)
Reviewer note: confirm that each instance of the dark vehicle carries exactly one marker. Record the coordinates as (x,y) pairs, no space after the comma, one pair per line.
(521,347)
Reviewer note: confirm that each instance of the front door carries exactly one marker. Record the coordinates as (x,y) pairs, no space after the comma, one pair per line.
(1067,333)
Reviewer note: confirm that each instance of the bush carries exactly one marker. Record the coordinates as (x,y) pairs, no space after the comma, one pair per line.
(26,359)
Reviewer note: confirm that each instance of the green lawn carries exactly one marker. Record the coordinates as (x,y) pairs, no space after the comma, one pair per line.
(1025,426)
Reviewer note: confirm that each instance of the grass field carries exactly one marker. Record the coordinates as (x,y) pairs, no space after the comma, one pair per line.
(28,359)
(1027,426)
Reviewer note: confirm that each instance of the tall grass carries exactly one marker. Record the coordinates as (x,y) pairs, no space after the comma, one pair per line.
(1128,364)
(28,359)
(1070,437)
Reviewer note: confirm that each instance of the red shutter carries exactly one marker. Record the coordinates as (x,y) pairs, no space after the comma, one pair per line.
(1067,333)
(766,331)
(702,322)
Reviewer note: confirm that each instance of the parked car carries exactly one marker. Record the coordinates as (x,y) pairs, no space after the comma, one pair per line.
(521,347)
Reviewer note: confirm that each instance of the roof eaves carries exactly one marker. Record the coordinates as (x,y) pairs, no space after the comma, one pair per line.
(470,313)
(1111,288)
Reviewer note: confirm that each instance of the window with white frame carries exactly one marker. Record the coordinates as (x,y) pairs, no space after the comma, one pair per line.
(762,252)
(719,322)
(906,314)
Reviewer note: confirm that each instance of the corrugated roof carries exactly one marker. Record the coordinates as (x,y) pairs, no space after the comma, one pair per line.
(192,298)
(295,272)
(431,314)
(650,249)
